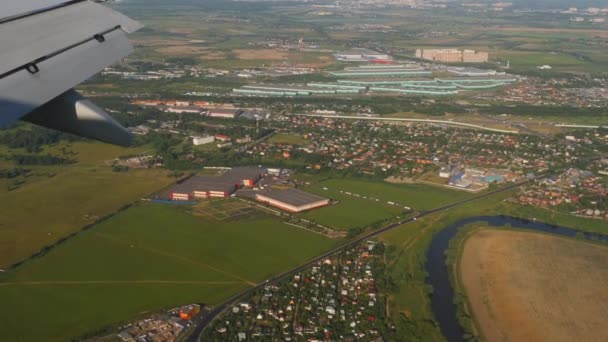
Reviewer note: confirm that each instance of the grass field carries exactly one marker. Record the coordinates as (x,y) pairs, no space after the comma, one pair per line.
(531,60)
(407,252)
(227,210)
(551,217)
(146,258)
(46,208)
(353,211)
(534,287)
(287,139)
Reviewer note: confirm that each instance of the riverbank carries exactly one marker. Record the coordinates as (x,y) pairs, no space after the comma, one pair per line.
(529,286)
(447,302)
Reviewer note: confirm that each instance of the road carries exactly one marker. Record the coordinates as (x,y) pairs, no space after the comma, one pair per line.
(428,121)
(204,320)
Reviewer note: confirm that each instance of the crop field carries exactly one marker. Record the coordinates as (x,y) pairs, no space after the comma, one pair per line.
(213,34)
(526,286)
(59,200)
(146,258)
(370,202)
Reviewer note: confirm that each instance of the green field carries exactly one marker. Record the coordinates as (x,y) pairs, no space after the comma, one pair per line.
(531,60)
(58,200)
(407,252)
(146,258)
(287,139)
(352,211)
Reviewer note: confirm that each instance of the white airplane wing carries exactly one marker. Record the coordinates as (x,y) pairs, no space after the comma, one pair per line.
(49,46)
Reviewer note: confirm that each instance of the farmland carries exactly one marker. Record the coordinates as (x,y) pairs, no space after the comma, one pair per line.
(55,201)
(146,258)
(535,287)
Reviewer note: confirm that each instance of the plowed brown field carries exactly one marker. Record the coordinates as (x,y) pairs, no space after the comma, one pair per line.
(524,286)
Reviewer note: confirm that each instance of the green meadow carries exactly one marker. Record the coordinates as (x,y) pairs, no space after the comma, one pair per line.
(144,259)
(353,211)
(55,201)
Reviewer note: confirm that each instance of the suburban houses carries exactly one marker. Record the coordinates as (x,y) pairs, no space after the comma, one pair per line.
(339,298)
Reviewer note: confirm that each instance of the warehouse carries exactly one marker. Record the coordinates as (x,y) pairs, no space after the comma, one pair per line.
(409,90)
(292,200)
(202,187)
(225,113)
(382,73)
(360,55)
(243,176)
(207,139)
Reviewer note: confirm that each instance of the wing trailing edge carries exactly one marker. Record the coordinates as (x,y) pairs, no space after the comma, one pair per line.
(45,52)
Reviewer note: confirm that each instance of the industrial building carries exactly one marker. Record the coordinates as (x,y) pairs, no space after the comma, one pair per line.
(468,71)
(225,113)
(286,90)
(453,55)
(410,90)
(197,141)
(361,55)
(202,187)
(187,109)
(244,176)
(403,79)
(187,312)
(397,72)
(292,200)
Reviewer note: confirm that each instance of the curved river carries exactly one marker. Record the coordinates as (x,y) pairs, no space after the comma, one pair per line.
(442,299)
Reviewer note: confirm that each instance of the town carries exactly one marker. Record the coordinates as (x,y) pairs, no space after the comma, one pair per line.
(319,170)
(435,153)
(339,298)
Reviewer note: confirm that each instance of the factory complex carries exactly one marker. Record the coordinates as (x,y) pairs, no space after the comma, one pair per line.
(362,55)
(392,79)
(292,200)
(201,187)
(474,179)
(453,55)
(382,70)
(243,182)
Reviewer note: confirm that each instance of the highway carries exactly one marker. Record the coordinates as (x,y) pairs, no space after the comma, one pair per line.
(204,320)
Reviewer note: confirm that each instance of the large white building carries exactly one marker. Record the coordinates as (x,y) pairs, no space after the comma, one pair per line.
(196,141)
(225,113)
(453,55)
(292,200)
(361,55)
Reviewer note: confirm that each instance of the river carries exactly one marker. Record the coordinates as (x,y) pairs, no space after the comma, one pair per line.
(442,299)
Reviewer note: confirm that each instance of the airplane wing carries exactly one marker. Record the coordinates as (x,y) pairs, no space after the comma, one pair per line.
(47,47)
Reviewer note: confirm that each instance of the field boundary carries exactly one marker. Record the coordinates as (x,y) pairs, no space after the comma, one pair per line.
(45,249)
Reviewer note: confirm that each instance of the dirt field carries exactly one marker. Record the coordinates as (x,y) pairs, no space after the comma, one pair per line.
(213,55)
(533,287)
(153,42)
(598,33)
(182,50)
(263,54)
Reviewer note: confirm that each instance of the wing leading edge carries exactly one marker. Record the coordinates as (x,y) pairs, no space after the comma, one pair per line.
(49,50)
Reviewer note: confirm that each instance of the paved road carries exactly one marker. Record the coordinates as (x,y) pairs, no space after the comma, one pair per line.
(429,121)
(204,320)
